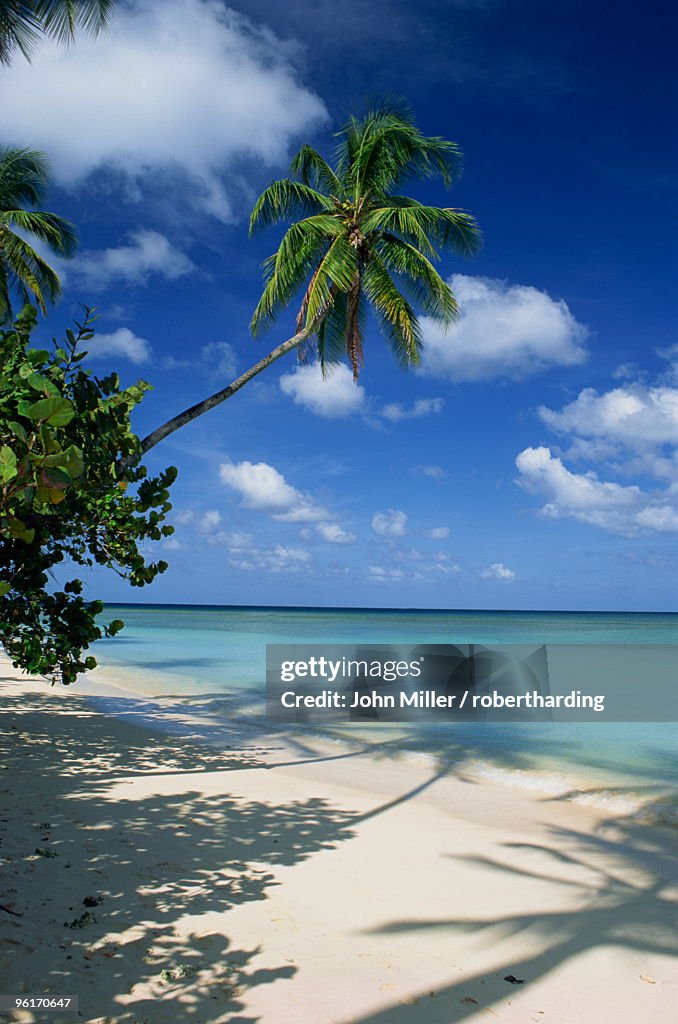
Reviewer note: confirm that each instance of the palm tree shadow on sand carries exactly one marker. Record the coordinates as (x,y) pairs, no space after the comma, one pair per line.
(133,964)
(623,900)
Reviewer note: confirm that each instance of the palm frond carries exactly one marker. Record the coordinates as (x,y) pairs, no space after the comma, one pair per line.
(284,199)
(19,29)
(282,285)
(456,231)
(23,22)
(57,232)
(28,271)
(314,170)
(60,18)
(23,176)
(429,292)
(386,148)
(426,226)
(395,315)
(409,222)
(286,271)
(335,274)
(5,300)
(330,339)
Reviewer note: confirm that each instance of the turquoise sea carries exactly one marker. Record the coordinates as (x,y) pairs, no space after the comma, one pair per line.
(215,657)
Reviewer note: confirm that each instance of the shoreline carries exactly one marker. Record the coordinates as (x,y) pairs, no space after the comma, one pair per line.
(611,792)
(281,879)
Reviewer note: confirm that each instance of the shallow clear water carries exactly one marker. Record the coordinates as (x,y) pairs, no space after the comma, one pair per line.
(186,651)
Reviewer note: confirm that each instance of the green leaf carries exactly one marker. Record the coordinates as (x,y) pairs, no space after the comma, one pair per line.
(56,411)
(4,588)
(41,383)
(7,464)
(18,430)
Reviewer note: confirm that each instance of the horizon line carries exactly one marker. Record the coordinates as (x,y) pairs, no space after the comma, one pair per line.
(371,608)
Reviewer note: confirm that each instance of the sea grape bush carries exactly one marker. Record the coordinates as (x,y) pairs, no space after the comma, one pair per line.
(71,488)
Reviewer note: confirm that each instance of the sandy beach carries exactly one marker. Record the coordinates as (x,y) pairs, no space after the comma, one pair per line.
(161,877)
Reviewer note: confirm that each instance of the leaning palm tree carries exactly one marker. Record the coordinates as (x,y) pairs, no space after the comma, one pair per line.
(358,244)
(23,22)
(23,181)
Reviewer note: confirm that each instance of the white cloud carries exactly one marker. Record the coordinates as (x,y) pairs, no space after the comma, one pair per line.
(276,559)
(147,252)
(263,488)
(392,523)
(172,544)
(635,415)
(623,509)
(437,533)
(434,472)
(498,571)
(209,521)
(244,552)
(122,343)
(185,87)
(379,574)
(333,397)
(632,431)
(505,331)
(335,534)
(422,407)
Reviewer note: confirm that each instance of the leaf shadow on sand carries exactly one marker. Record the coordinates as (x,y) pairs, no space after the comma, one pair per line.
(153,860)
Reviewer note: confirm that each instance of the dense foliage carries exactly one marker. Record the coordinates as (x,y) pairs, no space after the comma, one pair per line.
(71,487)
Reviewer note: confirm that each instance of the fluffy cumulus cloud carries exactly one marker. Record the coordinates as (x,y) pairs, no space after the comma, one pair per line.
(391,523)
(145,252)
(621,508)
(505,331)
(337,396)
(636,416)
(263,488)
(200,88)
(122,344)
(333,397)
(335,534)
(422,407)
(498,571)
(629,432)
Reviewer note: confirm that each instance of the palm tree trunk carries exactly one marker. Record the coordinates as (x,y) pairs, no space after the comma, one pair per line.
(182,418)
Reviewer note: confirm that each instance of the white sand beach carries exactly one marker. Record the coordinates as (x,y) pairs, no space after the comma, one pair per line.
(279,880)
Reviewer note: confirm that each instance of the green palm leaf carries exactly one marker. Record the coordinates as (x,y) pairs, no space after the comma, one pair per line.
(23,179)
(23,22)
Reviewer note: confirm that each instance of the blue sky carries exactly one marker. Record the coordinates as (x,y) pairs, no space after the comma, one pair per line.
(531,463)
